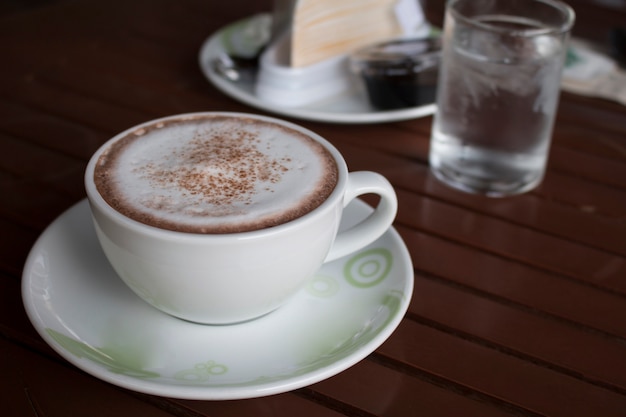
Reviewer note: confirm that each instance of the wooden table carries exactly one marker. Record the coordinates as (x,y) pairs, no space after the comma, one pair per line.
(519,305)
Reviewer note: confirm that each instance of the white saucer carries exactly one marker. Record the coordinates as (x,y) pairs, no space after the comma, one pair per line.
(85,312)
(351,107)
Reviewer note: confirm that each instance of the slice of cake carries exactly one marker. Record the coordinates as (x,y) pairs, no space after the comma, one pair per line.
(321,29)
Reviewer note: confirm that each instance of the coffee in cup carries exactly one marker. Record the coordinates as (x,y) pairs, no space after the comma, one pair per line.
(215,174)
(222,217)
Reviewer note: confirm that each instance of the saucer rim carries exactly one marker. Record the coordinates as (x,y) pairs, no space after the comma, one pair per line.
(212,392)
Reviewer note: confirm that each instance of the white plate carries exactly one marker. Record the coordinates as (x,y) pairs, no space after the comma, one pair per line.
(351,107)
(84,311)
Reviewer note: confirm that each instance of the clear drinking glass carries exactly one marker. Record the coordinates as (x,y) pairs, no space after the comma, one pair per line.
(498,93)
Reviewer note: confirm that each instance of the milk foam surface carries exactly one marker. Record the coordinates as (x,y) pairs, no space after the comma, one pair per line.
(215,174)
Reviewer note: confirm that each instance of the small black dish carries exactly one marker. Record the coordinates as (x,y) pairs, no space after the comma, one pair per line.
(400,73)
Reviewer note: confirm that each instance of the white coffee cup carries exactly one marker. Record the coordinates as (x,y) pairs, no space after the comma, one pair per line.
(232,277)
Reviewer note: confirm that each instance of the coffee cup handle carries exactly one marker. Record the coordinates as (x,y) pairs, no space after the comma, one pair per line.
(373,226)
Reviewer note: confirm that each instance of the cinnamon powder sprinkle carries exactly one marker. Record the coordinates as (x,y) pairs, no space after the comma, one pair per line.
(220,168)
(213,178)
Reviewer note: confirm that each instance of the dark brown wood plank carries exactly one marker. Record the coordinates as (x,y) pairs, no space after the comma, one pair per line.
(283,404)
(15,244)
(598,169)
(73,106)
(26,389)
(518,284)
(591,140)
(487,373)
(383,391)
(509,328)
(50,132)
(517,243)
(31,203)
(31,163)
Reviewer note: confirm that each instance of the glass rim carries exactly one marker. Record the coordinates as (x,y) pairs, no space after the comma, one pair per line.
(566,11)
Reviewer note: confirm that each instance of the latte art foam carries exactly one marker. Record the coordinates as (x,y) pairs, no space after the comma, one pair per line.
(215,174)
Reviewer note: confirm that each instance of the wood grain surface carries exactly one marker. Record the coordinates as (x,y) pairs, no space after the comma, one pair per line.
(519,306)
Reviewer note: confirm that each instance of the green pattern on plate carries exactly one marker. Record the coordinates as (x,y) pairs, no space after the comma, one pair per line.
(323,286)
(125,362)
(368,269)
(392,302)
(572,58)
(201,372)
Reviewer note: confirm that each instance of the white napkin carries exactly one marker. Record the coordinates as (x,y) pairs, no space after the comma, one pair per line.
(591,73)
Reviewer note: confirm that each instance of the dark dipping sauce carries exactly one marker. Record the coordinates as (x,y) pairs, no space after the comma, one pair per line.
(399,74)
